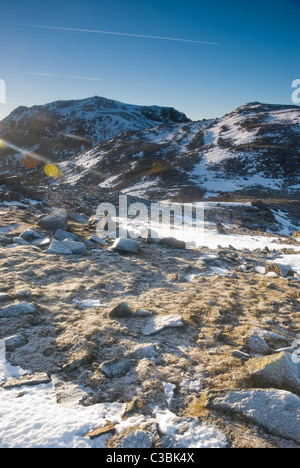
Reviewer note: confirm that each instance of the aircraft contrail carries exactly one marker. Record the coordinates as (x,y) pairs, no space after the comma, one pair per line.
(95,31)
(52,75)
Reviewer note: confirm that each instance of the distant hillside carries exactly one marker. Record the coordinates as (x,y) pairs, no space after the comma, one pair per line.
(157,152)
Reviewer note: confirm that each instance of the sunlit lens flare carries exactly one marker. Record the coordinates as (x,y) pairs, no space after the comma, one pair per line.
(30,160)
(51,170)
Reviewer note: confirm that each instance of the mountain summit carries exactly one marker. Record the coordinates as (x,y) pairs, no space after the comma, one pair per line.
(61,129)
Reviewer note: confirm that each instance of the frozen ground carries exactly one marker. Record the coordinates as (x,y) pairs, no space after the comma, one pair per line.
(192,310)
(31,417)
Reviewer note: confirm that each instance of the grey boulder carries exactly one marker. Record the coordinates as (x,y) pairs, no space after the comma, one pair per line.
(126,245)
(58,219)
(275,371)
(277,411)
(17,310)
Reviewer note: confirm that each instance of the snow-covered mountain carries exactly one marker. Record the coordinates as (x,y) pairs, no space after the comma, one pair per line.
(254,150)
(157,152)
(60,130)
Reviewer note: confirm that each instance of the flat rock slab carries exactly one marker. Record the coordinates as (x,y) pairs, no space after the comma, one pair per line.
(57,248)
(67,247)
(27,380)
(157,324)
(16,310)
(277,411)
(108,429)
(77,248)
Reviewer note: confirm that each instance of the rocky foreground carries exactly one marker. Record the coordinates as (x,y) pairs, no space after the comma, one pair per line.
(182,341)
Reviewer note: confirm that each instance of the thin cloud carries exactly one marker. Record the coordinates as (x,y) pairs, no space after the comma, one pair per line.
(52,75)
(95,31)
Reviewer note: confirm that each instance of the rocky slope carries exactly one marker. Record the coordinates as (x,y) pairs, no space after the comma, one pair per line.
(149,347)
(147,343)
(253,151)
(58,131)
(157,153)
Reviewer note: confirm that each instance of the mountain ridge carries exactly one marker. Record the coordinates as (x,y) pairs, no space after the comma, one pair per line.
(157,151)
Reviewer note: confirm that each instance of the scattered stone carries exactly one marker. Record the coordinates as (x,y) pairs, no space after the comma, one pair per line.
(14,342)
(61,235)
(281,270)
(277,411)
(22,294)
(108,429)
(116,368)
(143,351)
(296,234)
(275,371)
(98,240)
(42,243)
(173,243)
(57,248)
(89,245)
(17,310)
(126,245)
(77,248)
(58,219)
(79,218)
(27,380)
(121,311)
(30,235)
(5,297)
(157,324)
(265,342)
(274,340)
(143,313)
(257,345)
(20,241)
(240,355)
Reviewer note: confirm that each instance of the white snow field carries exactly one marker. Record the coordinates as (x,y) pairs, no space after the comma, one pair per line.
(31,417)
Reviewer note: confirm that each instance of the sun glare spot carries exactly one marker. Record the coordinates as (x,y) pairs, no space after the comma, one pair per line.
(51,170)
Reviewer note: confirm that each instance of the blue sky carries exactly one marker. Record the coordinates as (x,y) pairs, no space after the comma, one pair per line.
(256,59)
